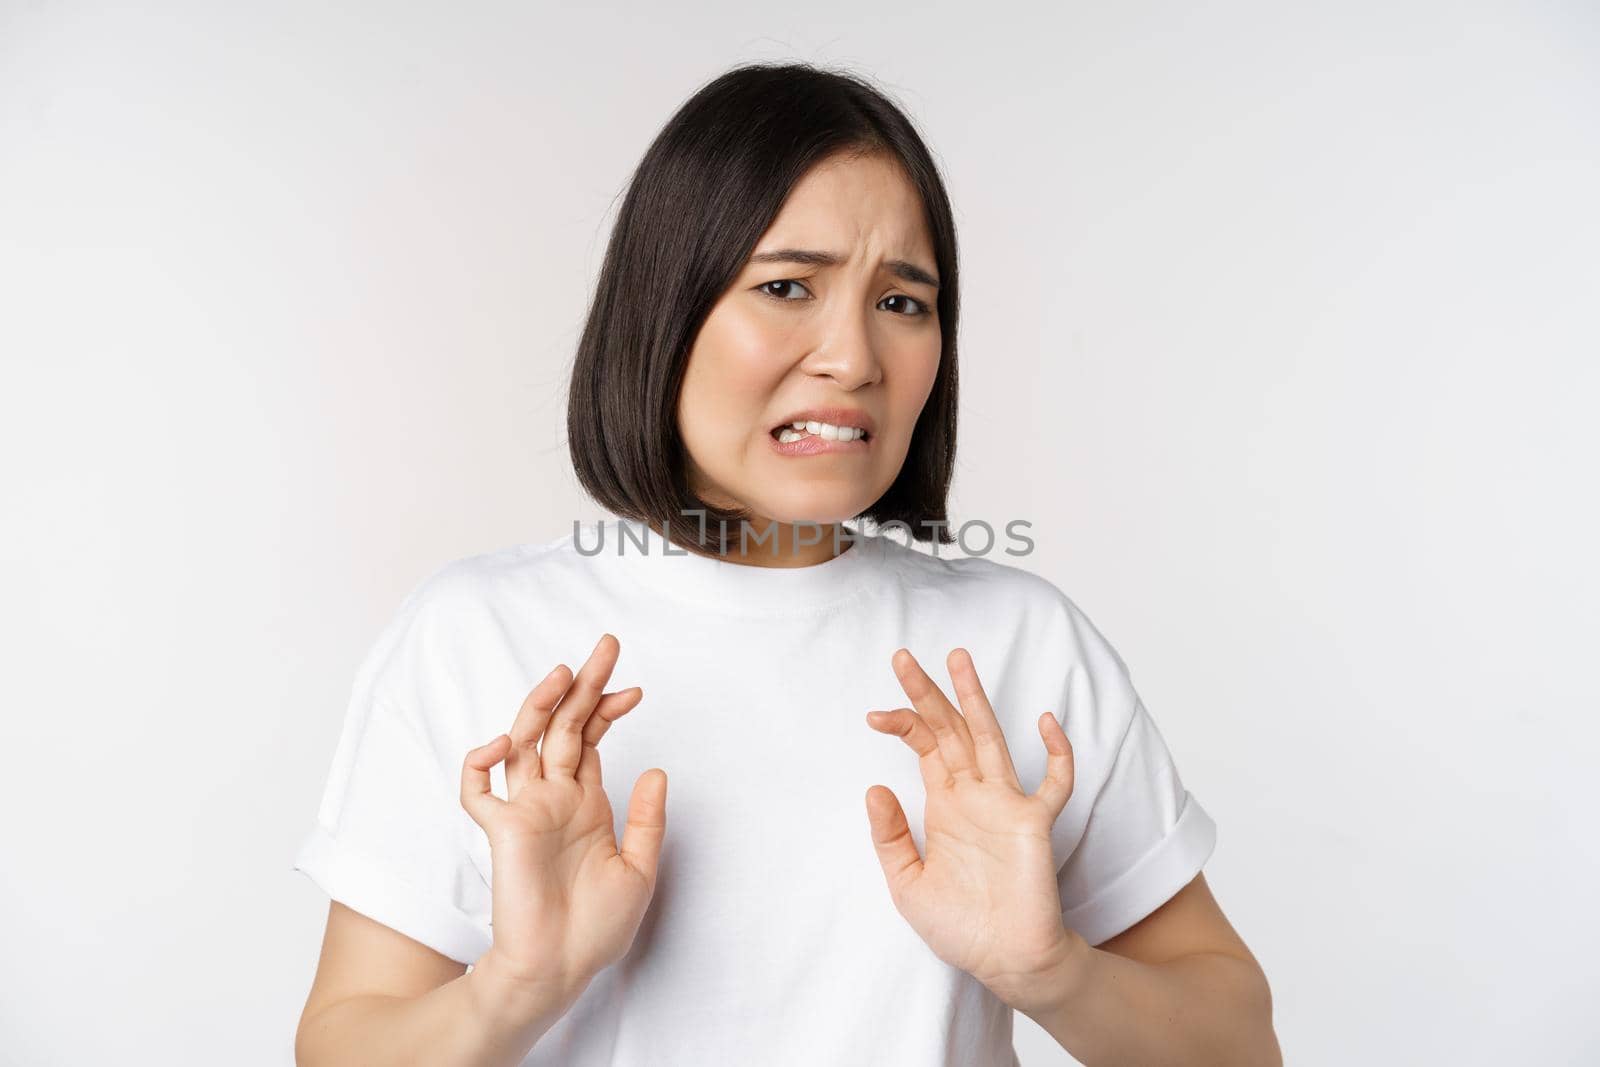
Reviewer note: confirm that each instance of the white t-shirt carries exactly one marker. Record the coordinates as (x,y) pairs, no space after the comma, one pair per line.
(771,937)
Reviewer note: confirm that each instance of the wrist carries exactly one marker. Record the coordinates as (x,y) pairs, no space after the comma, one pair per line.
(507,998)
(1062,983)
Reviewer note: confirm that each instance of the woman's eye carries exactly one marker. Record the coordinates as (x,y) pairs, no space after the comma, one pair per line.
(777,291)
(768,290)
(921,308)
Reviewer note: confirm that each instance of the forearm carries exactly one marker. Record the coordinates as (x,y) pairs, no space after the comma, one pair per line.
(476,1020)
(1205,1008)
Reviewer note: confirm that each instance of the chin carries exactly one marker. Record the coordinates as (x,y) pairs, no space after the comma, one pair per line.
(819,504)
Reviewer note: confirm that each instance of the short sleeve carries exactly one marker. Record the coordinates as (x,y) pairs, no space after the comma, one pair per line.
(389,839)
(1145,839)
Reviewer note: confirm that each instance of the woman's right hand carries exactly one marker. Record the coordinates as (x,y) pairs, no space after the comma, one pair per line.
(566,901)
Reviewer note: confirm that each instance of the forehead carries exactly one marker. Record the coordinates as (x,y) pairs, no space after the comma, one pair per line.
(843,203)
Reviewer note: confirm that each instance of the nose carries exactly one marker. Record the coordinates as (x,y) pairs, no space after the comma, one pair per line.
(846,352)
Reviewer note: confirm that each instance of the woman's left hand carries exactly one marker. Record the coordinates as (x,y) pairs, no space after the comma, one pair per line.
(985,897)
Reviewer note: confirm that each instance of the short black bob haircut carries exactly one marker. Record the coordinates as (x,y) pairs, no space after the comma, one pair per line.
(708,187)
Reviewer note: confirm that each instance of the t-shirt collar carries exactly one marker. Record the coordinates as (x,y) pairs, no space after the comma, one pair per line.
(641,553)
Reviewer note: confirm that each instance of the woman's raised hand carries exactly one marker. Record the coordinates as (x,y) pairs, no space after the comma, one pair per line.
(983,895)
(567,902)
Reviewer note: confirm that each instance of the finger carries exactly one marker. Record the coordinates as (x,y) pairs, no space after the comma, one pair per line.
(522,762)
(955,743)
(476,795)
(611,707)
(909,727)
(562,744)
(892,840)
(988,740)
(1056,789)
(647,823)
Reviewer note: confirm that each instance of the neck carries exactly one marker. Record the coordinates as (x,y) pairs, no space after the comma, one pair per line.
(770,543)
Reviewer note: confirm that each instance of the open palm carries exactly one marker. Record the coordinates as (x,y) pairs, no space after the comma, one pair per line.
(984,897)
(567,900)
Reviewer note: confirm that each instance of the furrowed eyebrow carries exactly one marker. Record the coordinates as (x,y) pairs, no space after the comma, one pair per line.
(899,267)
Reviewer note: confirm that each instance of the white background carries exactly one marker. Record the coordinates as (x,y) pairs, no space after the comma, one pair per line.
(1279,324)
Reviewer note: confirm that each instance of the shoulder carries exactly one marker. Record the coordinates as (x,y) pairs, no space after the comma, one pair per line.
(462,606)
(1008,595)
(468,585)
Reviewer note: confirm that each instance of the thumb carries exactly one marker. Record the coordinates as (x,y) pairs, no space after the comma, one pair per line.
(891,837)
(647,823)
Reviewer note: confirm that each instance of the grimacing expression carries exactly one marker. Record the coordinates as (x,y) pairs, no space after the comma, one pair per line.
(861,333)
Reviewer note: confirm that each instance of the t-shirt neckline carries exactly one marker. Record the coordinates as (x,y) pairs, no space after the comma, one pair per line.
(640,553)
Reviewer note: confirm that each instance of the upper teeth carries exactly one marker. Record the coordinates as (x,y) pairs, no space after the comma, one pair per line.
(825,430)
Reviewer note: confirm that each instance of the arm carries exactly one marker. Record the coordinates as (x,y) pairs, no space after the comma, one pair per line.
(381,998)
(566,901)
(1177,987)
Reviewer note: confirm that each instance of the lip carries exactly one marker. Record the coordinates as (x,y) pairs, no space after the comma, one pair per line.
(836,416)
(811,445)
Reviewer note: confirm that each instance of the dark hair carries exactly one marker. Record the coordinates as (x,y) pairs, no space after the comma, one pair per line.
(706,190)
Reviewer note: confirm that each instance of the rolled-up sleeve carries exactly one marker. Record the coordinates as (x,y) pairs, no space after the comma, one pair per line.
(389,839)
(1145,839)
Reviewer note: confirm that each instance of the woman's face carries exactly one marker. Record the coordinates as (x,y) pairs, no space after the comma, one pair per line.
(855,339)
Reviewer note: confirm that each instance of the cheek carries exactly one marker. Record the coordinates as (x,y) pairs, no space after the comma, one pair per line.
(735,367)
(916,369)
(732,373)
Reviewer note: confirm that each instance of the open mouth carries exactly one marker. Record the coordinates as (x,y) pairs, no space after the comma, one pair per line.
(790,431)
